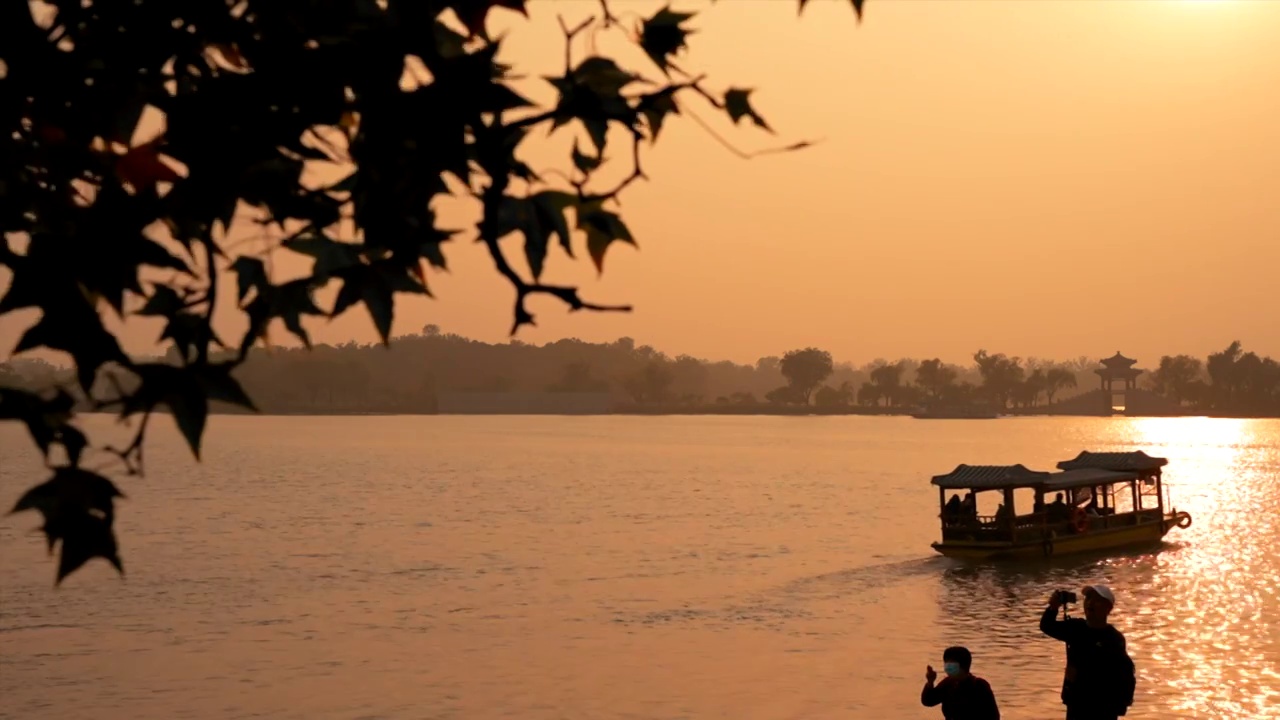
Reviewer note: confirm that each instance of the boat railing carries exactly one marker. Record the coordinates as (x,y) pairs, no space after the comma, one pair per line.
(968,521)
(1035,527)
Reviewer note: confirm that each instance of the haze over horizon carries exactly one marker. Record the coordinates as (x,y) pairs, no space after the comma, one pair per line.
(1047,179)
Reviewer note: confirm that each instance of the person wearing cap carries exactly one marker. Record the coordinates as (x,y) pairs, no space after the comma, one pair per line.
(962,695)
(1099,680)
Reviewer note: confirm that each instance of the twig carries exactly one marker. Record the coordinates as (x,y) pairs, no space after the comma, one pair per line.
(609,18)
(715,135)
(134,448)
(568,295)
(637,172)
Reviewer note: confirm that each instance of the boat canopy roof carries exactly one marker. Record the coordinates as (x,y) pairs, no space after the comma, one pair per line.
(990,477)
(1115,461)
(1086,477)
(1004,477)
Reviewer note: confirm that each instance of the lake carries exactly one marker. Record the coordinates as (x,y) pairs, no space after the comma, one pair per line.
(618,567)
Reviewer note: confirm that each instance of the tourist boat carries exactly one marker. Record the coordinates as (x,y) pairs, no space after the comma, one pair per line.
(1102,501)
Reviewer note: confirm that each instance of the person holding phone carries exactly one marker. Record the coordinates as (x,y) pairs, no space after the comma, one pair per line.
(1099,680)
(962,695)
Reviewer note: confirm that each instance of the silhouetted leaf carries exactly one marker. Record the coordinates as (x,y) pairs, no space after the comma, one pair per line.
(78,509)
(857,6)
(75,328)
(603,228)
(602,76)
(73,441)
(249,94)
(549,208)
(220,385)
(473,13)
(142,167)
(538,218)
(448,44)
(346,184)
(289,302)
(591,93)
(374,285)
(738,104)
(190,333)
(70,489)
(662,36)
(251,274)
(179,389)
(655,107)
(330,255)
(163,302)
(85,538)
(46,419)
(585,163)
(127,117)
(430,245)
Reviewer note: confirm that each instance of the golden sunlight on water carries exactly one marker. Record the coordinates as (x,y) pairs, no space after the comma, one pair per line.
(621,567)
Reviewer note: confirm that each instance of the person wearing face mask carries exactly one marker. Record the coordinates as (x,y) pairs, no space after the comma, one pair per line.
(962,695)
(1099,680)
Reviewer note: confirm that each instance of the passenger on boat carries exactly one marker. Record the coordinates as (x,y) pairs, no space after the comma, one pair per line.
(1099,679)
(953,508)
(1058,511)
(963,695)
(969,508)
(1002,514)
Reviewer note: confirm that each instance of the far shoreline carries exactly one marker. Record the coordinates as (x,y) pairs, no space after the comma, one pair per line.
(715,410)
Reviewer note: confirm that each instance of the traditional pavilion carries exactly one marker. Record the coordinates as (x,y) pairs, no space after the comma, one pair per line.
(1119,367)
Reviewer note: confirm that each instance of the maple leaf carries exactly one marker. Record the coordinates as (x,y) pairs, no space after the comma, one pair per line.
(857,6)
(603,228)
(662,36)
(474,13)
(142,167)
(375,285)
(737,102)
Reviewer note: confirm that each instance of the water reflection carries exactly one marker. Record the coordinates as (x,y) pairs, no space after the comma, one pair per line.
(623,568)
(1202,614)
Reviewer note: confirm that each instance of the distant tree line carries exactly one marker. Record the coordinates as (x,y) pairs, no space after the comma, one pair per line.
(1231,381)
(409,376)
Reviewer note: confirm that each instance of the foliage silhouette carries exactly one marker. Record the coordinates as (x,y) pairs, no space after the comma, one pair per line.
(805,370)
(252,95)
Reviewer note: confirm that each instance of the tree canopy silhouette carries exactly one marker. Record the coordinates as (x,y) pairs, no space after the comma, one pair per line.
(805,370)
(400,100)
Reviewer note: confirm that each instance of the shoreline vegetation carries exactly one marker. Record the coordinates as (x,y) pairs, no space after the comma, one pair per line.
(437,373)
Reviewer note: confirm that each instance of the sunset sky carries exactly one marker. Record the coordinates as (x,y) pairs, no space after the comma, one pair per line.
(1040,178)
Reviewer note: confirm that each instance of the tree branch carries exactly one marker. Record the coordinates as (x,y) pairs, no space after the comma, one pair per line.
(567,295)
(134,448)
(637,173)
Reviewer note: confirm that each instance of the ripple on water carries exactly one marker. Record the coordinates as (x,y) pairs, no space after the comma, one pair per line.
(605,568)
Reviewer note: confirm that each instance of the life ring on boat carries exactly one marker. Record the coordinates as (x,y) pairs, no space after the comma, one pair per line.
(1184,520)
(1079,520)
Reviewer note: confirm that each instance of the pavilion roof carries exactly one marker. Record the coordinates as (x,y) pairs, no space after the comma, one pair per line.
(1118,360)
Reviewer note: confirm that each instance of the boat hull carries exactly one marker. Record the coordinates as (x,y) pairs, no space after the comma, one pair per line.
(1136,536)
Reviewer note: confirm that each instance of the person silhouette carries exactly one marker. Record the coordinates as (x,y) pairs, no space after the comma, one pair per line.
(962,695)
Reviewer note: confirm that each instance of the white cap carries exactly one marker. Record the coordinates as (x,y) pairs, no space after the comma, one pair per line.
(1103,592)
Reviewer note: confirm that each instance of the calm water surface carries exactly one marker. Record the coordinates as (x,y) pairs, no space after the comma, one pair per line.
(619,567)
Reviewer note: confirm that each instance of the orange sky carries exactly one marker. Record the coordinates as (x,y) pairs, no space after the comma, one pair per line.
(1040,178)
